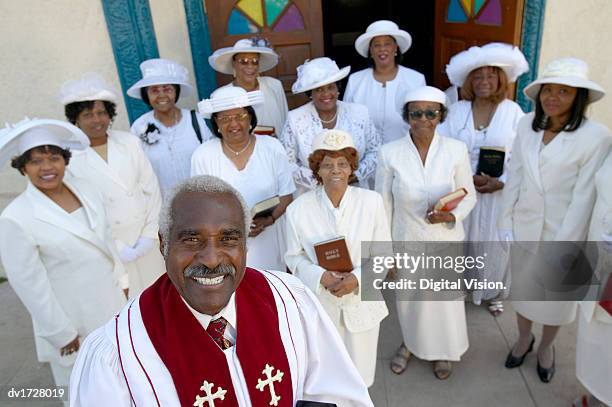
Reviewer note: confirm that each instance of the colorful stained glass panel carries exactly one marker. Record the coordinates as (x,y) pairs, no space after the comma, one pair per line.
(252,8)
(456,14)
(273,9)
(478,5)
(492,13)
(239,24)
(467,6)
(291,20)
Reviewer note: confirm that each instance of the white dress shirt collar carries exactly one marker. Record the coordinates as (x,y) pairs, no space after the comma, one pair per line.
(228,312)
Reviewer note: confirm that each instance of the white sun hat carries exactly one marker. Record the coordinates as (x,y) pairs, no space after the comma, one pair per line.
(572,72)
(318,72)
(18,138)
(160,71)
(332,140)
(425,94)
(221,59)
(382,27)
(91,86)
(229,97)
(505,56)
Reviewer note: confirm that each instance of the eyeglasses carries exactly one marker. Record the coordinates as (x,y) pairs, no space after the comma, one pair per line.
(228,119)
(429,114)
(340,165)
(247,61)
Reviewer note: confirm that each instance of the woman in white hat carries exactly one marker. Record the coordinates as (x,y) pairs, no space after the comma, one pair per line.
(117,166)
(412,174)
(256,165)
(319,78)
(245,61)
(549,193)
(169,135)
(382,87)
(55,243)
(331,210)
(486,118)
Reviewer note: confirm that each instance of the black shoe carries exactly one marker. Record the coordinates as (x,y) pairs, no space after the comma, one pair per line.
(515,361)
(544,374)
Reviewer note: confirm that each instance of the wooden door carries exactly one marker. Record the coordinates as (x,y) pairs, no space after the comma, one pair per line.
(461,24)
(293,27)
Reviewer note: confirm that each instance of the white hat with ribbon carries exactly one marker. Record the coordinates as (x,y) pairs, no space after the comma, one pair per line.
(379,28)
(229,97)
(425,94)
(20,137)
(318,72)
(505,56)
(572,72)
(221,59)
(160,71)
(91,86)
(332,140)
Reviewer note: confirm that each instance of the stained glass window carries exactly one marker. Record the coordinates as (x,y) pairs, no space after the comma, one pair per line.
(250,16)
(487,12)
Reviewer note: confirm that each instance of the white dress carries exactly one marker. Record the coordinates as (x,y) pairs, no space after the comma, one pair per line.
(273,111)
(303,125)
(360,217)
(432,330)
(481,224)
(132,200)
(266,174)
(384,102)
(593,351)
(170,155)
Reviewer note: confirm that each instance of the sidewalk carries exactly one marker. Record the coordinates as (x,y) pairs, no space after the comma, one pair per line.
(480,379)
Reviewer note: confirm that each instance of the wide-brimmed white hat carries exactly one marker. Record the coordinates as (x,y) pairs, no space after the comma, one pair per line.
(318,72)
(160,71)
(425,94)
(505,56)
(382,27)
(572,72)
(332,140)
(20,137)
(221,59)
(229,97)
(91,86)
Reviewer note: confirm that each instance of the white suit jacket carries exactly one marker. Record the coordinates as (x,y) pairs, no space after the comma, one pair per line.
(550,193)
(66,273)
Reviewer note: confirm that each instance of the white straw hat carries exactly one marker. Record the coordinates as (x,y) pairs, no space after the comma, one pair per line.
(505,56)
(91,86)
(29,133)
(425,94)
(160,71)
(229,97)
(382,27)
(572,72)
(332,140)
(316,73)
(221,59)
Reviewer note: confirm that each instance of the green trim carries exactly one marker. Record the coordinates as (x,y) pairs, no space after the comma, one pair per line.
(531,41)
(132,35)
(199,40)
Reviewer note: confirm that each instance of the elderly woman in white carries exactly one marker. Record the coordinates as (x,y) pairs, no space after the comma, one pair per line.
(331,210)
(256,165)
(245,61)
(549,195)
(55,244)
(413,173)
(485,118)
(383,86)
(116,165)
(318,78)
(169,135)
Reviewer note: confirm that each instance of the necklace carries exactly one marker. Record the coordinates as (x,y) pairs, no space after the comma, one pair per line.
(241,151)
(330,120)
(481,127)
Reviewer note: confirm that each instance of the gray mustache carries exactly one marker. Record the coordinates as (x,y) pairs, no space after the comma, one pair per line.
(200,270)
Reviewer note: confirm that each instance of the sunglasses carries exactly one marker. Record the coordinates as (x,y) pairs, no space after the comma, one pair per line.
(228,119)
(429,114)
(247,61)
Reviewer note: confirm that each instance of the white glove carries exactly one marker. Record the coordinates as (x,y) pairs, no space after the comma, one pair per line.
(143,245)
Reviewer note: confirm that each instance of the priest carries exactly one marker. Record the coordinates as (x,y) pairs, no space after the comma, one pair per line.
(212,332)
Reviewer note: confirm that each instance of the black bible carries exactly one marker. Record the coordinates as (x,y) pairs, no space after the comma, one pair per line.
(491,161)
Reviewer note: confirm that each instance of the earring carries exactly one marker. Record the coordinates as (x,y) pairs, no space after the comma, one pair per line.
(234,72)
(544,121)
(395,53)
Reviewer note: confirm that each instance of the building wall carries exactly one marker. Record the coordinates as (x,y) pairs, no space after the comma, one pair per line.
(581,29)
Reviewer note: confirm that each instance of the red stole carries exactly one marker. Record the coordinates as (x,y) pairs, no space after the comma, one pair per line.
(192,357)
(606,296)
